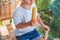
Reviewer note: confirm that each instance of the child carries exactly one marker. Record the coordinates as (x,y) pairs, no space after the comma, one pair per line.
(22,20)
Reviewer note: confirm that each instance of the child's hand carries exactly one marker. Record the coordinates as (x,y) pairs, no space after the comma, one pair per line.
(33,22)
(47,29)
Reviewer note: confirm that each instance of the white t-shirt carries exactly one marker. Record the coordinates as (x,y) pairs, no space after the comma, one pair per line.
(22,15)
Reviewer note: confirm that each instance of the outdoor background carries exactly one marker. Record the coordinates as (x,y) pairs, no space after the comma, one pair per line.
(49,18)
(49,11)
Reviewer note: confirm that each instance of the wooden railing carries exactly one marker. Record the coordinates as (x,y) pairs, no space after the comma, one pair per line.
(6,8)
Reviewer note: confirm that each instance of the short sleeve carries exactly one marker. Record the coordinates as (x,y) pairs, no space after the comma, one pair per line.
(17,17)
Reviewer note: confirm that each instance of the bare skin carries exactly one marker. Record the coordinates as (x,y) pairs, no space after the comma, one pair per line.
(45,28)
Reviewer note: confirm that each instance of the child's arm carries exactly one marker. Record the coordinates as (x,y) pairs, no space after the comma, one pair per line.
(24,25)
(44,27)
(46,35)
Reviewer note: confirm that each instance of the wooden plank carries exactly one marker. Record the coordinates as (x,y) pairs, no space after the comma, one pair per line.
(1,19)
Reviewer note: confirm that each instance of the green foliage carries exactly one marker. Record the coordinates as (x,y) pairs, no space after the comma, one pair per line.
(10,21)
(48,18)
(50,37)
(42,4)
(55,28)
